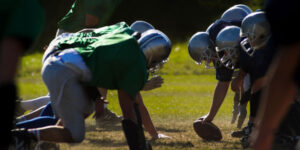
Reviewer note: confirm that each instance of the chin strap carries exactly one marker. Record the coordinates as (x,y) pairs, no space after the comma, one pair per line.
(134,133)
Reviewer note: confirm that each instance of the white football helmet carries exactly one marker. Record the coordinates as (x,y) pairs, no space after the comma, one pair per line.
(234,14)
(141,26)
(256,30)
(245,7)
(201,49)
(156,47)
(209,27)
(228,46)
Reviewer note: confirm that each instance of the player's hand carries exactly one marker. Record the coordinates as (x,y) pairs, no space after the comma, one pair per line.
(153,83)
(161,136)
(206,118)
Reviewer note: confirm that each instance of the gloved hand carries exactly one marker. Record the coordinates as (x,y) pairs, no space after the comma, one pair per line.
(242,114)
(161,136)
(153,83)
(206,118)
(234,115)
(235,110)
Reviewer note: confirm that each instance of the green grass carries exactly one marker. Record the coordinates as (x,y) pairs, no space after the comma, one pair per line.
(185,96)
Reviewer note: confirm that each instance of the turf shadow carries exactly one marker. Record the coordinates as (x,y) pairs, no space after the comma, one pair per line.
(172,144)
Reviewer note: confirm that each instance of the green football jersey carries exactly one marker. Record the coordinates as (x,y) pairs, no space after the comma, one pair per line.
(113,56)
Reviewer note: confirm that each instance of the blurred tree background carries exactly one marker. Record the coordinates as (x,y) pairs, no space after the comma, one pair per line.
(179,19)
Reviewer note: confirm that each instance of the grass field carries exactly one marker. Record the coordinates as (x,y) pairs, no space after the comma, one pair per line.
(185,96)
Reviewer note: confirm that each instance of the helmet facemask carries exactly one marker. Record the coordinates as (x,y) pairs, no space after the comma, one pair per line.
(229,56)
(246,46)
(228,46)
(208,56)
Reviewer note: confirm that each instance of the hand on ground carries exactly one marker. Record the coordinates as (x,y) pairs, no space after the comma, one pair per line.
(161,136)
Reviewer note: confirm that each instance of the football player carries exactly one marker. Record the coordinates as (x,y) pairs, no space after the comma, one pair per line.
(254,60)
(202,48)
(21,23)
(255,65)
(119,64)
(107,117)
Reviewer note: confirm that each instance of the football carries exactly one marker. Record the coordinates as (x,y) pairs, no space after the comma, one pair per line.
(207,131)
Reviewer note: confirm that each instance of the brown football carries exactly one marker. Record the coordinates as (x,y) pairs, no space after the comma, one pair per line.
(207,130)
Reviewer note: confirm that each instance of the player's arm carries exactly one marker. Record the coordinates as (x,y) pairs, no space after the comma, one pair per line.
(223,75)
(146,119)
(258,84)
(238,81)
(219,96)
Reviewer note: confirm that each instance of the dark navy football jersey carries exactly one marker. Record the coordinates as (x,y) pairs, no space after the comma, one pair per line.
(223,74)
(250,63)
(258,64)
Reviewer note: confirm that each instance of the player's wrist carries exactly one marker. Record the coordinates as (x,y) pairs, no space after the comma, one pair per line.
(209,117)
(154,135)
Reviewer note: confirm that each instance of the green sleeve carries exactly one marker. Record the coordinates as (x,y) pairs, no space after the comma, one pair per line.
(74,20)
